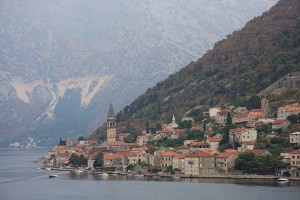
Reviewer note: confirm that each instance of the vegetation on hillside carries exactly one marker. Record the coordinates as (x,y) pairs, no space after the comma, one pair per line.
(240,66)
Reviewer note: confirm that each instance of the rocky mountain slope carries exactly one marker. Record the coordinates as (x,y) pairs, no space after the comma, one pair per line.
(244,64)
(63,62)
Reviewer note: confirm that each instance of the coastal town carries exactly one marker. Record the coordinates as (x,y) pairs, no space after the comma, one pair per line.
(238,146)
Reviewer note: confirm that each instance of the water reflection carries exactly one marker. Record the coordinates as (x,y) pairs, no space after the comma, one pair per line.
(245,182)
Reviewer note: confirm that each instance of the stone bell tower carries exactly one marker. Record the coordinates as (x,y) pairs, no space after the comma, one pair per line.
(111,125)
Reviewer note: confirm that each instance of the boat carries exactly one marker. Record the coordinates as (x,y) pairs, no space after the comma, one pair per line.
(115,173)
(103,174)
(282,179)
(53,176)
(48,168)
(176,177)
(78,171)
(139,175)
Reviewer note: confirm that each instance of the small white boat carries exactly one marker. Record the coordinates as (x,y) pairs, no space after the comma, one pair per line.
(53,176)
(48,168)
(176,177)
(282,179)
(78,171)
(103,174)
(139,175)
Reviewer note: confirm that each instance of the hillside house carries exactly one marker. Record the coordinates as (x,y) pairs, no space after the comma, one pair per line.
(284,112)
(242,135)
(295,138)
(281,124)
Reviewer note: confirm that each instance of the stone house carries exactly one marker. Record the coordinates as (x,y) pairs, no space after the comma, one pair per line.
(183,149)
(221,117)
(225,161)
(281,123)
(295,138)
(199,163)
(213,142)
(178,162)
(242,135)
(112,160)
(199,146)
(295,158)
(167,159)
(284,112)
(286,155)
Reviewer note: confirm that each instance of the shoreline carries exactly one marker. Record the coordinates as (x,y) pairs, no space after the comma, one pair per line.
(211,176)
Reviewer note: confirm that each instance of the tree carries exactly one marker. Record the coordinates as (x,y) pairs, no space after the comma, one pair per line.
(229,119)
(99,160)
(294,118)
(253,103)
(80,138)
(147,127)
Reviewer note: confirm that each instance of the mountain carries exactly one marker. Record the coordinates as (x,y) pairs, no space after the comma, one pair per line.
(63,62)
(244,64)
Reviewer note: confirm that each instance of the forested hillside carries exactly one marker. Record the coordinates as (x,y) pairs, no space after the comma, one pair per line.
(248,61)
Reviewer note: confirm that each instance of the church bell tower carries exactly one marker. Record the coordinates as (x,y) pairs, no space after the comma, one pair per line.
(111,125)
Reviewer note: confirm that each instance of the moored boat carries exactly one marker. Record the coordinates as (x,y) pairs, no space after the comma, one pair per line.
(53,176)
(282,179)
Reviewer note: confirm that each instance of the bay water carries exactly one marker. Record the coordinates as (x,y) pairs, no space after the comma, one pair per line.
(22,179)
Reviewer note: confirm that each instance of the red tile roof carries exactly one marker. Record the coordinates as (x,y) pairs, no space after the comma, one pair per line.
(259,151)
(199,144)
(119,143)
(166,130)
(224,155)
(183,147)
(199,153)
(234,151)
(295,152)
(291,108)
(249,143)
(279,121)
(170,154)
(214,139)
(111,156)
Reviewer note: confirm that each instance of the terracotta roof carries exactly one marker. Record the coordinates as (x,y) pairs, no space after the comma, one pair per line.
(295,152)
(257,113)
(214,139)
(166,130)
(93,155)
(279,121)
(123,134)
(259,151)
(234,151)
(239,130)
(249,143)
(170,154)
(80,145)
(119,143)
(291,108)
(111,156)
(198,144)
(183,147)
(224,155)
(199,153)
(287,150)
(59,148)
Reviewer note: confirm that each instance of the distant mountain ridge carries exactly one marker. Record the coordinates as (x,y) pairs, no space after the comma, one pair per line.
(63,62)
(245,63)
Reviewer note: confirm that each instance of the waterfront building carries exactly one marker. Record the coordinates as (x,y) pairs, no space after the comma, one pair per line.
(199,163)
(225,161)
(295,158)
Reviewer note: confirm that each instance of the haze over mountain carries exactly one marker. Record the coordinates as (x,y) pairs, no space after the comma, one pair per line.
(63,62)
(245,64)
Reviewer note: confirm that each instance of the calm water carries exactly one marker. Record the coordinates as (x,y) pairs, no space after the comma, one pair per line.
(21,179)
